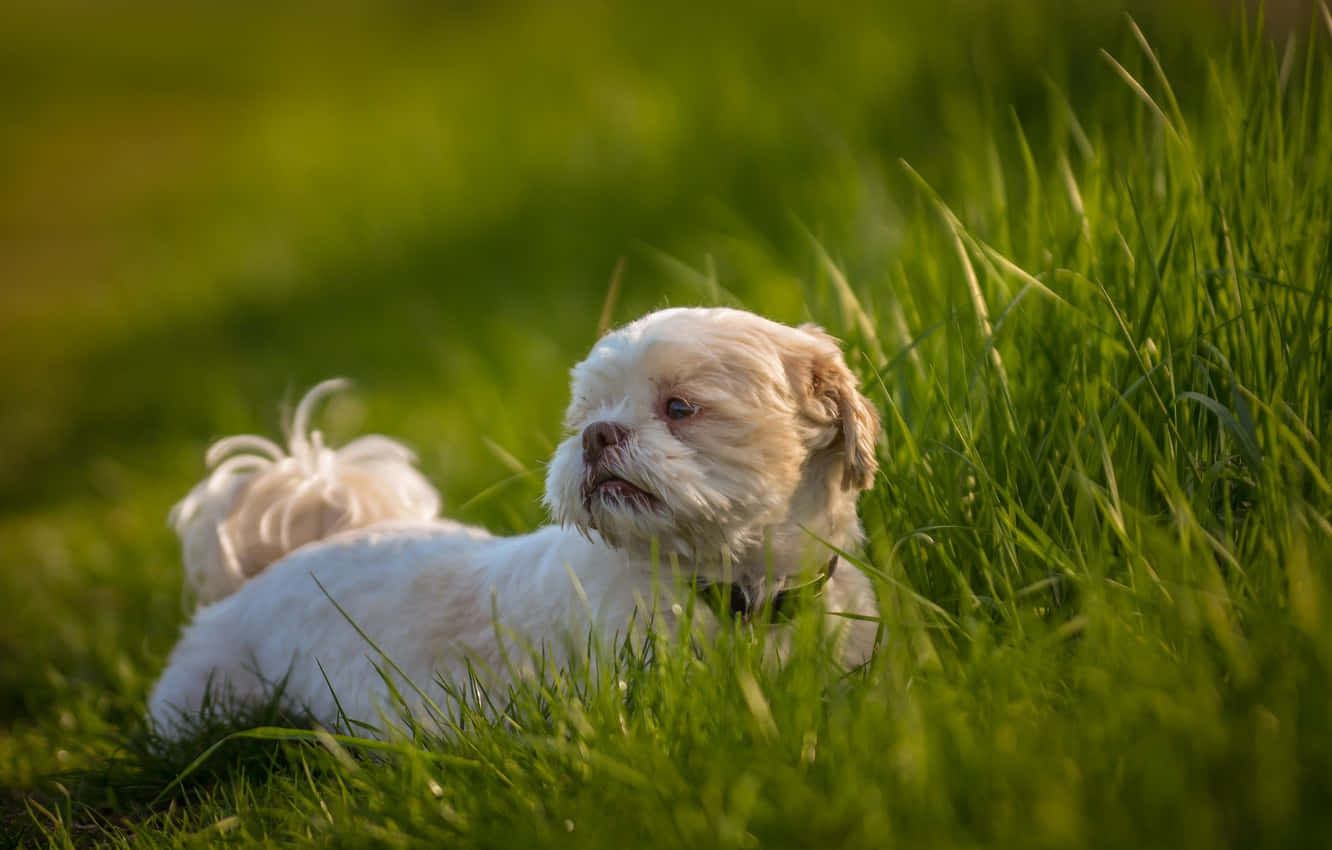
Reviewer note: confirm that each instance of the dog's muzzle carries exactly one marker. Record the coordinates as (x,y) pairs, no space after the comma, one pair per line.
(609,486)
(604,479)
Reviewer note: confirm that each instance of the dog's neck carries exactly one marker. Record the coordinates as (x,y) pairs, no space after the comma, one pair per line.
(773,600)
(795,550)
(820,520)
(799,546)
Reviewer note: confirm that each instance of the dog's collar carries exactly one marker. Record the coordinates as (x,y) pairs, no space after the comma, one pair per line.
(742,600)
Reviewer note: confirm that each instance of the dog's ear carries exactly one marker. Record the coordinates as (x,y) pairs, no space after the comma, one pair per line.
(843,417)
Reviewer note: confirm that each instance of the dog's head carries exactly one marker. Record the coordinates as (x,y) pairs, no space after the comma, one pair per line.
(716,434)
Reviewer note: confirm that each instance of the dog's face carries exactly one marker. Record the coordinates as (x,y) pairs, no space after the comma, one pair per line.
(713,433)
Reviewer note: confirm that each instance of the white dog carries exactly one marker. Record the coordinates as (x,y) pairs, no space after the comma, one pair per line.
(712,442)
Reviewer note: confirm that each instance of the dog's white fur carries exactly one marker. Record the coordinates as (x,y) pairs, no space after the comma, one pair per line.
(303,559)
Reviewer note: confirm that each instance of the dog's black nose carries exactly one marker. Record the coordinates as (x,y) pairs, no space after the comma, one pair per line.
(600,436)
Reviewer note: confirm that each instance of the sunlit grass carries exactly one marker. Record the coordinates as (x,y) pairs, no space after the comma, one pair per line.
(1084,272)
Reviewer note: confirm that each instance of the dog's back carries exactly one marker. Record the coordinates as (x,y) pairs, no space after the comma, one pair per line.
(261,502)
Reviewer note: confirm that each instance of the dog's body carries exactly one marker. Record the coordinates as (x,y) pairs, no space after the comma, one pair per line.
(708,445)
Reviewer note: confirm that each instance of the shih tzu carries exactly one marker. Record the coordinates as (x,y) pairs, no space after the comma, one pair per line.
(711,444)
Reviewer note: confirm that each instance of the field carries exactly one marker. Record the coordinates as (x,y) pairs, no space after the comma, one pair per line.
(1080,255)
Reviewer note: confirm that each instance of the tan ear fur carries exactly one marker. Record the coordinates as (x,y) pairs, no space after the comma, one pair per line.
(834,399)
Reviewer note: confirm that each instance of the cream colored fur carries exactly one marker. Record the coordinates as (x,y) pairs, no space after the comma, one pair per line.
(260,502)
(287,550)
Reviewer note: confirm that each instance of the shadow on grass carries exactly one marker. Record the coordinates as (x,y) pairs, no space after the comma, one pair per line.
(140,780)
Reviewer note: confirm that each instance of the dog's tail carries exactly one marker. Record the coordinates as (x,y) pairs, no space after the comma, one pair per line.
(259,502)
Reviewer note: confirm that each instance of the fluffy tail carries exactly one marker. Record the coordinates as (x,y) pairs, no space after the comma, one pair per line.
(259,502)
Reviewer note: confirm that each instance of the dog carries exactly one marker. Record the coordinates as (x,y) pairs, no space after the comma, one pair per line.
(708,443)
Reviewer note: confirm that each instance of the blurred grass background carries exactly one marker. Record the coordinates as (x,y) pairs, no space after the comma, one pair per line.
(204,210)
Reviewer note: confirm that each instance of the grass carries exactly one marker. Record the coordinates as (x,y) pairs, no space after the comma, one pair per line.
(1082,262)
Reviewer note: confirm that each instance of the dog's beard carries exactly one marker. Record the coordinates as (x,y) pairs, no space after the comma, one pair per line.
(655,495)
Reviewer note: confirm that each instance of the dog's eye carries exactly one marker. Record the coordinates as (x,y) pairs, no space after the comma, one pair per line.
(678,408)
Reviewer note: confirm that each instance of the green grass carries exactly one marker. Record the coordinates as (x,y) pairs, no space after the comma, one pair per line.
(1085,279)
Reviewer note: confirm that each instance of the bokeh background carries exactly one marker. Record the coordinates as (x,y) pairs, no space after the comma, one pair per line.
(206,208)
(217,206)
